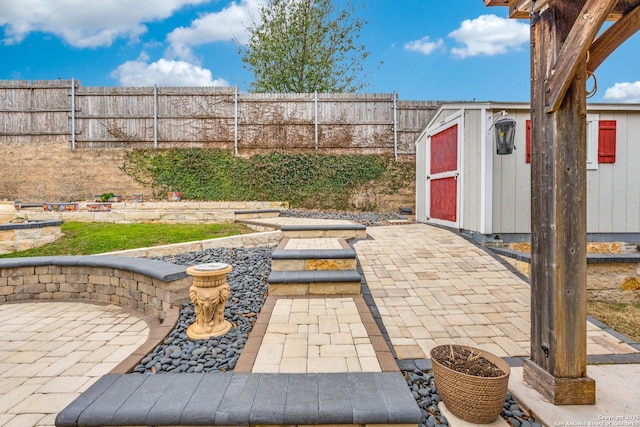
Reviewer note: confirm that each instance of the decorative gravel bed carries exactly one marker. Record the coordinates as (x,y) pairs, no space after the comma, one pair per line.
(370,219)
(248,282)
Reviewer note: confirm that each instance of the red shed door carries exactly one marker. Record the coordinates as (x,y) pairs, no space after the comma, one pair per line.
(443,176)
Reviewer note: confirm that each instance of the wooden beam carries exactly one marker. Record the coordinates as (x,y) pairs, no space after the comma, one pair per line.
(521,9)
(496,2)
(612,38)
(574,49)
(558,366)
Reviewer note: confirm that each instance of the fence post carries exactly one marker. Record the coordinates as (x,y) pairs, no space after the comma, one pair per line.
(235,120)
(155,116)
(73,113)
(315,117)
(395,125)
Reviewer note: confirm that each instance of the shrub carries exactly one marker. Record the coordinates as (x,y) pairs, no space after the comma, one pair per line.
(308,180)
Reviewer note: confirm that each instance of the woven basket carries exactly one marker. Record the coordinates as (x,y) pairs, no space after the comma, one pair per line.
(473,399)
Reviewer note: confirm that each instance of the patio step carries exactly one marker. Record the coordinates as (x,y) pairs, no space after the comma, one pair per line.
(338,231)
(313,259)
(242,399)
(314,282)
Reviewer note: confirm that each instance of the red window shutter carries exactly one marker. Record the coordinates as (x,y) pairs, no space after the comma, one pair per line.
(528,139)
(607,141)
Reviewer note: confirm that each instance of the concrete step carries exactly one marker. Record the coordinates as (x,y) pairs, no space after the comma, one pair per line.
(339,231)
(313,259)
(314,282)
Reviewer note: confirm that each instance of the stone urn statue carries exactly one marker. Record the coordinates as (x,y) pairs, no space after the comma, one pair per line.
(7,210)
(209,293)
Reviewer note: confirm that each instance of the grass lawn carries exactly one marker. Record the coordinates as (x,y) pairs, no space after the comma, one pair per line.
(624,318)
(86,238)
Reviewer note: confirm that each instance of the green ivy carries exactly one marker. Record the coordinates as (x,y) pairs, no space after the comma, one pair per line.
(307,180)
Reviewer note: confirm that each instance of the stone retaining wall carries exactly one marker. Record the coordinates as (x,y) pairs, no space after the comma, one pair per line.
(150,286)
(160,212)
(20,237)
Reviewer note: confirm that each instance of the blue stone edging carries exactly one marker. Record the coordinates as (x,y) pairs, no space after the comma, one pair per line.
(244,399)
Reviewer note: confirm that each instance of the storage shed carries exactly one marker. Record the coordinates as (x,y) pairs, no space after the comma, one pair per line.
(461,181)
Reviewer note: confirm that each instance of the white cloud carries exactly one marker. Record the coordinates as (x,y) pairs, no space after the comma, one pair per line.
(424,45)
(624,93)
(163,73)
(489,35)
(230,24)
(84,23)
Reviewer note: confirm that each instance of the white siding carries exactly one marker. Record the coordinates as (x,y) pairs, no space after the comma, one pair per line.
(471,170)
(512,182)
(613,190)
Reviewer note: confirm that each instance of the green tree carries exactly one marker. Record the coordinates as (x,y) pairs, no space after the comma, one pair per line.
(305,46)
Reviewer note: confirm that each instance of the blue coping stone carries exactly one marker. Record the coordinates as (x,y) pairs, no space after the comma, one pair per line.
(401,406)
(368,405)
(156,269)
(424,364)
(314,276)
(301,406)
(323,227)
(406,364)
(234,409)
(30,225)
(177,392)
(244,399)
(313,254)
(200,403)
(591,258)
(101,410)
(134,411)
(334,400)
(270,398)
(69,416)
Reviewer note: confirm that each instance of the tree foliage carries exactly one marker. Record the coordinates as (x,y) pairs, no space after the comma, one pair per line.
(305,46)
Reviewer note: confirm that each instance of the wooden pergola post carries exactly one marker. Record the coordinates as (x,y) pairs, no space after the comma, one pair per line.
(562,36)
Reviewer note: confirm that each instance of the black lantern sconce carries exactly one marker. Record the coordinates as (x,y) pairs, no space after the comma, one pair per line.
(504,134)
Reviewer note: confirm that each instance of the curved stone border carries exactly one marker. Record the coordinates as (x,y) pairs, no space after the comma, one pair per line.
(150,286)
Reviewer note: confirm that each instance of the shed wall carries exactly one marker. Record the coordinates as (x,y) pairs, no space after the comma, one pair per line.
(613,190)
(613,204)
(511,209)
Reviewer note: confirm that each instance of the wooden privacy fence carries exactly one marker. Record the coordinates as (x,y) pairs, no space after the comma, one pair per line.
(212,117)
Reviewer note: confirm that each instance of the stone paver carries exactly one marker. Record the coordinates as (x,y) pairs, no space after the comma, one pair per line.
(312,243)
(430,287)
(433,287)
(316,335)
(50,352)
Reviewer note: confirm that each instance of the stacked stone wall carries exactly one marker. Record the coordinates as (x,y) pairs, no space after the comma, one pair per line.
(126,288)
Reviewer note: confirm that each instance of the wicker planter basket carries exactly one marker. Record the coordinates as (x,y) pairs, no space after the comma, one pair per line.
(474,399)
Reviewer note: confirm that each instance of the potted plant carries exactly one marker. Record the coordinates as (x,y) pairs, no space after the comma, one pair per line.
(472,382)
(174,196)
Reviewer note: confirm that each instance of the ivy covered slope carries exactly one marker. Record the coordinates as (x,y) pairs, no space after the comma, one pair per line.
(305,180)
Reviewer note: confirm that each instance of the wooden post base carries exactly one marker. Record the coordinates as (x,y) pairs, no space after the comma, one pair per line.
(560,391)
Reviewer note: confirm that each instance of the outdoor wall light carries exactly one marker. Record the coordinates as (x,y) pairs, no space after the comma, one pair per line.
(504,133)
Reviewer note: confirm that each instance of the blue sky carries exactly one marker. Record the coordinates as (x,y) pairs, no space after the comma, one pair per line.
(421,49)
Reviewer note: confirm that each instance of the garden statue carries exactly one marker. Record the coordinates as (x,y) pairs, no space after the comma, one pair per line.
(209,294)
